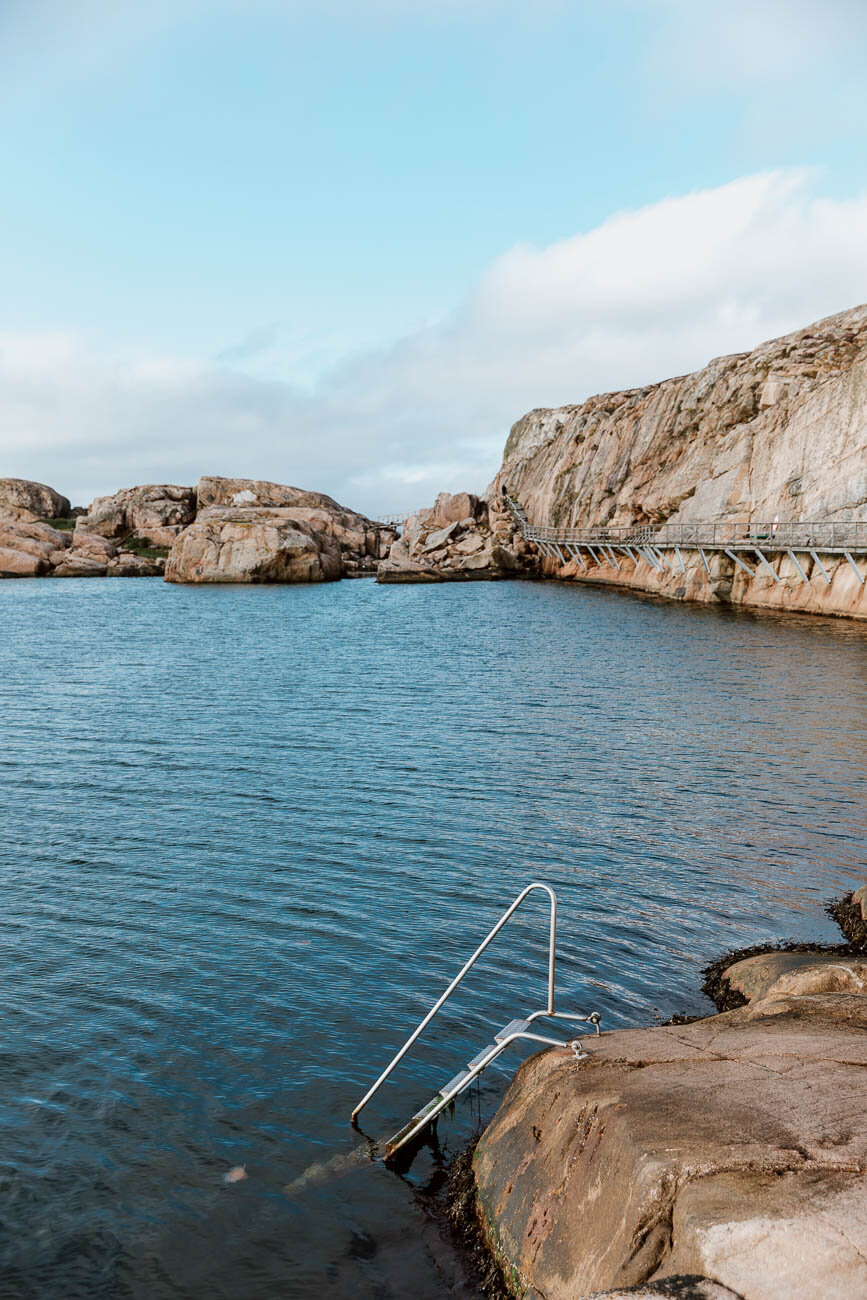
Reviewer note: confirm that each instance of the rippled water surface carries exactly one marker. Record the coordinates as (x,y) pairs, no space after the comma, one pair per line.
(249,833)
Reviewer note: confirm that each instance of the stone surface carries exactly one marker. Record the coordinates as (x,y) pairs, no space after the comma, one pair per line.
(155,512)
(732,1149)
(780,431)
(127,565)
(238,544)
(458,539)
(77,565)
(362,541)
(776,974)
(32,499)
(21,564)
(28,547)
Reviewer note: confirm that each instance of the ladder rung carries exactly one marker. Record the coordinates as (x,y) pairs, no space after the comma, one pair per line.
(513,1027)
(479,1056)
(398,1137)
(456,1082)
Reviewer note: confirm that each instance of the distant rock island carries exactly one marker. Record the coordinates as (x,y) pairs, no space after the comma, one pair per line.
(776,433)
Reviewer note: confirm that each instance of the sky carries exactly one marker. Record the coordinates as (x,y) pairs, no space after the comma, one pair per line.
(346,245)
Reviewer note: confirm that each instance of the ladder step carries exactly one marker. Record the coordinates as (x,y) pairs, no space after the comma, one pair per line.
(513,1027)
(455,1082)
(471,1065)
(398,1137)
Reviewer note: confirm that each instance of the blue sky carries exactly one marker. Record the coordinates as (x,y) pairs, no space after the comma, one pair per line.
(345,245)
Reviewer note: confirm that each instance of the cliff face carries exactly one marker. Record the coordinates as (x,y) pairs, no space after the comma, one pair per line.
(779,431)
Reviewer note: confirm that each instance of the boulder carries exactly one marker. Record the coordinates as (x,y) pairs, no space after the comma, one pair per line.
(128,565)
(457,540)
(155,512)
(778,974)
(21,564)
(236,544)
(94,546)
(731,1149)
(451,508)
(80,566)
(360,538)
(32,499)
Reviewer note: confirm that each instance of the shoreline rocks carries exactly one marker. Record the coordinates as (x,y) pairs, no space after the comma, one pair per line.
(460,538)
(248,530)
(729,1151)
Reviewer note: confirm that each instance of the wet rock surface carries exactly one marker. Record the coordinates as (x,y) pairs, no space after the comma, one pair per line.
(460,538)
(727,1153)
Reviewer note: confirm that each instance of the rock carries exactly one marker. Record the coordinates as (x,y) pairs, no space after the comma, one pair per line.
(94,546)
(359,537)
(435,540)
(777,432)
(469,545)
(732,1148)
(777,974)
(402,569)
(35,544)
(80,566)
(236,544)
(450,509)
(21,564)
(155,512)
(34,499)
(128,565)
(851,915)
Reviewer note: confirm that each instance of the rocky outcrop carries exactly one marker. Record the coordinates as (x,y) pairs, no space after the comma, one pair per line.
(248,530)
(19,497)
(155,513)
(727,1152)
(731,1149)
(458,539)
(780,430)
(253,545)
(28,547)
(777,432)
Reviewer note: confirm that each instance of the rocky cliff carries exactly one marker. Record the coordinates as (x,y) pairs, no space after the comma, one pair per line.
(779,432)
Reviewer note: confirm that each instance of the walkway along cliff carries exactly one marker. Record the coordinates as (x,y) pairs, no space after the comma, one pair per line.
(776,436)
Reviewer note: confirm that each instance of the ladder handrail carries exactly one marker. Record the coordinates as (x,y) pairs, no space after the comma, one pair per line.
(552,946)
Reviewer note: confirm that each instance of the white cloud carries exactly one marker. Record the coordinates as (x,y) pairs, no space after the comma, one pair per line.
(648,293)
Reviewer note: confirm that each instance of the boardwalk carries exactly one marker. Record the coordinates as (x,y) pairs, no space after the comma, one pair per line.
(741,541)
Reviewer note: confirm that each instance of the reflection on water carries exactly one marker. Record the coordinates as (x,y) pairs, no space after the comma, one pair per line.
(248,835)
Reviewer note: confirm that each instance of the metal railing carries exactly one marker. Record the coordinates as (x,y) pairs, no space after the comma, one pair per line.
(819,534)
(547,1011)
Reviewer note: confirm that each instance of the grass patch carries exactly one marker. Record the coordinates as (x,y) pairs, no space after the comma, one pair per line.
(64,525)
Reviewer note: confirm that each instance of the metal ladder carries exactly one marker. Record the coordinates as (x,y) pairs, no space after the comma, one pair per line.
(514,1030)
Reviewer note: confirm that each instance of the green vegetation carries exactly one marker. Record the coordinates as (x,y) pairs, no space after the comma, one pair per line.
(64,525)
(141,546)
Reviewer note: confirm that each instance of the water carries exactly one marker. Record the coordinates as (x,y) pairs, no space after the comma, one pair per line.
(247,834)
